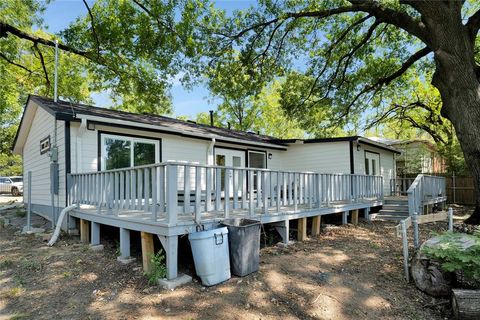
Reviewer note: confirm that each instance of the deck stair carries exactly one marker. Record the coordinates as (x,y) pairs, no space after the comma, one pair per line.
(393,209)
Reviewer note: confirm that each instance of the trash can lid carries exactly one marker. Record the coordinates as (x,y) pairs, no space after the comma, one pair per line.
(207,233)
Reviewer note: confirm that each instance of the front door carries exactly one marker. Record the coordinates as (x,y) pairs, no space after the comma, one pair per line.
(372,163)
(229,158)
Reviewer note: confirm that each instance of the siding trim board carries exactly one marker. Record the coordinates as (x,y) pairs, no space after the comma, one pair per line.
(352,165)
(68,164)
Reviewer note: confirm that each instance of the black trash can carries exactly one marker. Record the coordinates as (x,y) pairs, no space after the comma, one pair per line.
(244,243)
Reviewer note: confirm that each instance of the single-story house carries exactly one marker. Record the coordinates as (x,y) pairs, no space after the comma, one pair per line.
(58,138)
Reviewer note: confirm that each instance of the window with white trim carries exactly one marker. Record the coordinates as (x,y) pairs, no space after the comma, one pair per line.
(119,151)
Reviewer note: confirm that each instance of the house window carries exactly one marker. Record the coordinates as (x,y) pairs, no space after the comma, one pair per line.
(124,152)
(257,159)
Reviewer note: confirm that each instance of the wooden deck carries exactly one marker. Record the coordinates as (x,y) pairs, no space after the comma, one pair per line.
(142,221)
(172,199)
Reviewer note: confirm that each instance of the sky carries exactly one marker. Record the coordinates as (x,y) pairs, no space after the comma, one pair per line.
(60,13)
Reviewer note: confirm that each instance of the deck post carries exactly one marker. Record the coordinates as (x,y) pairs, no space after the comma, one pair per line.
(147,251)
(316,225)
(124,243)
(345,217)
(84,231)
(366,213)
(302,229)
(95,235)
(170,245)
(283,228)
(355,216)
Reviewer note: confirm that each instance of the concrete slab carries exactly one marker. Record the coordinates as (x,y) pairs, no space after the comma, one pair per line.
(97,247)
(32,230)
(125,260)
(178,281)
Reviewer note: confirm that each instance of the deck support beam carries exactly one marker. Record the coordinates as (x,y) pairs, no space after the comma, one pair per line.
(84,231)
(283,228)
(147,251)
(302,229)
(355,217)
(316,222)
(345,217)
(95,234)
(170,245)
(366,213)
(124,243)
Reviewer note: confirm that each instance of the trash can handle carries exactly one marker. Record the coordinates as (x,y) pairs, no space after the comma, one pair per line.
(219,239)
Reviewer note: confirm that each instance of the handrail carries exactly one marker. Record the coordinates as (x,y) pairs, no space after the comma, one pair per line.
(170,189)
(425,189)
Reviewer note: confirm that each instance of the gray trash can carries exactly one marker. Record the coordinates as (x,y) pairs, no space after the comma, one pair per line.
(210,255)
(244,243)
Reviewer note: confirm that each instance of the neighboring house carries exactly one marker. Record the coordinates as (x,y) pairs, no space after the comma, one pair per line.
(55,139)
(417,156)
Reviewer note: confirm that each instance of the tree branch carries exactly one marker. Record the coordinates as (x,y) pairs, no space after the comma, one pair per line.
(92,23)
(44,67)
(6,28)
(473,24)
(386,80)
(4,57)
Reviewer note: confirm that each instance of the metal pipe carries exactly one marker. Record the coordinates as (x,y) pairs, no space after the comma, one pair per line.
(55,83)
(29,203)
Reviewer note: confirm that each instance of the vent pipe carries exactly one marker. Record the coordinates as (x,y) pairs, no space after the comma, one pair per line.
(55,83)
(211,118)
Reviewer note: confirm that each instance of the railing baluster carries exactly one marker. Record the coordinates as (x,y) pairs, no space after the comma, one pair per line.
(198,194)
(162,187)
(251,209)
(140,189)
(235,188)
(155,188)
(186,189)
(218,189)
(146,197)
(172,194)
(278,192)
(128,191)
(226,202)
(265,190)
(244,188)
(208,189)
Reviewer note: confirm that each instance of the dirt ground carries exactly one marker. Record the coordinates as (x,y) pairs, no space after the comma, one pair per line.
(348,272)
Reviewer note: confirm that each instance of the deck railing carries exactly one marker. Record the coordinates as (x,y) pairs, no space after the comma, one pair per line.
(171,189)
(399,186)
(425,190)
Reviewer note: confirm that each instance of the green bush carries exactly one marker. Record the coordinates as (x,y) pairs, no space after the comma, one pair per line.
(159,268)
(453,258)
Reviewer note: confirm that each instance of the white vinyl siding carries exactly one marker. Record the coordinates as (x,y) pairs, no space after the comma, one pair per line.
(39,164)
(326,157)
(386,165)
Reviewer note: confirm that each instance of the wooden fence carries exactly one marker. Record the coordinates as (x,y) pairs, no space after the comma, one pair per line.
(460,190)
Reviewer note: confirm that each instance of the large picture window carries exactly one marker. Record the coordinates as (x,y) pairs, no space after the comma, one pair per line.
(123,152)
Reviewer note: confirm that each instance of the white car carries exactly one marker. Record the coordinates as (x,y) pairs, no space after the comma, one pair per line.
(13,185)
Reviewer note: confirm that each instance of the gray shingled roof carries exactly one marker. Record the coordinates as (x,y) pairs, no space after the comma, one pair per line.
(68,109)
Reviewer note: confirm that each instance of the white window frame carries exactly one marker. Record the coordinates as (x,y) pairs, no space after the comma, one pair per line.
(132,140)
(264,154)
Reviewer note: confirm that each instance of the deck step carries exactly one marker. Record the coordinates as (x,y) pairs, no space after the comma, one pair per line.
(390,211)
(387,217)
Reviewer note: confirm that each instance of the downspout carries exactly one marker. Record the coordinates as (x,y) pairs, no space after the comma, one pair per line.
(78,144)
(211,160)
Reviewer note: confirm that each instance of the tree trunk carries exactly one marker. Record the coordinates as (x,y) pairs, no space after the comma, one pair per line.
(466,304)
(428,275)
(457,80)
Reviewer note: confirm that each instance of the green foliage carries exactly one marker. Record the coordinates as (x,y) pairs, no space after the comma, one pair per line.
(20,213)
(159,268)
(453,258)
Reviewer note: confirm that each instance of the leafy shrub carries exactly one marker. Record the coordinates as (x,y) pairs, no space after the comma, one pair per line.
(159,268)
(453,258)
